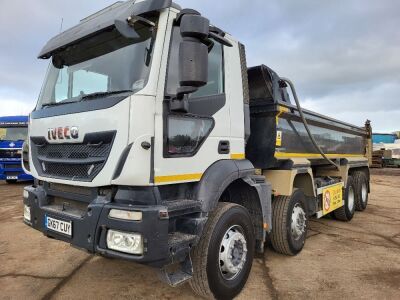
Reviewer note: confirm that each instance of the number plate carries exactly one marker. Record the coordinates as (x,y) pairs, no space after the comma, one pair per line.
(58,226)
(12,177)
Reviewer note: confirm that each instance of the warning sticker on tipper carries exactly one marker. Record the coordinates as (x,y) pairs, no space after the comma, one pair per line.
(332,198)
(279,138)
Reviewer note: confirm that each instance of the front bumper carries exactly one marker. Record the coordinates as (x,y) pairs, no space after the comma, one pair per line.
(89,230)
(20,177)
(8,171)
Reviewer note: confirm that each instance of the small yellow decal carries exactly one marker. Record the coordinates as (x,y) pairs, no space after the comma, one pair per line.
(279,138)
(332,198)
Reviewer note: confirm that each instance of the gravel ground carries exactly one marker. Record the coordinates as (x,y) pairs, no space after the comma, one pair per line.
(356,260)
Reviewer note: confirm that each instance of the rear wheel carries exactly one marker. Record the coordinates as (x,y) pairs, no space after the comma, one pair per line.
(223,258)
(289,223)
(346,212)
(361,186)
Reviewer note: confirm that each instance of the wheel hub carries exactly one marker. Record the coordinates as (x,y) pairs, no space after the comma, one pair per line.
(298,225)
(364,193)
(350,199)
(233,252)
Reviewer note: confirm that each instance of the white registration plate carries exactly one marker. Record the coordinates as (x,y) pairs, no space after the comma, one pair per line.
(58,226)
(12,177)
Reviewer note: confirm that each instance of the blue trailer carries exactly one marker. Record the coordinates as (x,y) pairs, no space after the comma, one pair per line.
(13,133)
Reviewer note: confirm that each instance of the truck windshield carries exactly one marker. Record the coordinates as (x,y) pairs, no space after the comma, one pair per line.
(97,68)
(13,134)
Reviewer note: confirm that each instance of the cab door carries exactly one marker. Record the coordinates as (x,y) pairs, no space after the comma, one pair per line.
(186,144)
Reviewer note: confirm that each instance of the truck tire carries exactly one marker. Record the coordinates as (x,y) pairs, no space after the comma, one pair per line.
(289,223)
(361,186)
(223,258)
(346,212)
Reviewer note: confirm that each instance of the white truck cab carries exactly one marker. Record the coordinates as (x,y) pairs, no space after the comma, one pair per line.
(149,143)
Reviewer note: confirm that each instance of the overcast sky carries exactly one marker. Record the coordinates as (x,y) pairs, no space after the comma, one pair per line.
(343,55)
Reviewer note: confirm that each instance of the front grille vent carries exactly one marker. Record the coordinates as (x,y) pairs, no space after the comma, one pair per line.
(76,162)
(12,166)
(9,154)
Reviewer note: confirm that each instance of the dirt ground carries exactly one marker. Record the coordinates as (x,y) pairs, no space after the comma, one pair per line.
(357,260)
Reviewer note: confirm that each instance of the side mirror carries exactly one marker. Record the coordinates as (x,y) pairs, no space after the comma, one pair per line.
(193,58)
(193,53)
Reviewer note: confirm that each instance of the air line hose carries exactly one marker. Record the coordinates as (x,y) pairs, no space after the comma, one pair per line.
(306,124)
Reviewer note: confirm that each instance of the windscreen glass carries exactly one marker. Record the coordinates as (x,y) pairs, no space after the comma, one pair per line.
(105,64)
(13,133)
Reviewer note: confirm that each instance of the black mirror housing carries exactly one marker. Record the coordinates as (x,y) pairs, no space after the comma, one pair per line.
(193,53)
(193,68)
(195,26)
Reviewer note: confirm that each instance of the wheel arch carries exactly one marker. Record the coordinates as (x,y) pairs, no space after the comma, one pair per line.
(364,170)
(284,182)
(217,178)
(236,182)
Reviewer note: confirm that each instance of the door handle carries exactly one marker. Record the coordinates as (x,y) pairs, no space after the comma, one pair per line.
(224,147)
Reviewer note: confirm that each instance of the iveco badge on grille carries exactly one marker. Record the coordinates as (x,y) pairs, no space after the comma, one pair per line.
(63,133)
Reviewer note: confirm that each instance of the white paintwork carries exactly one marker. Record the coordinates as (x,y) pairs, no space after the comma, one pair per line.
(234,94)
(140,117)
(208,153)
(114,118)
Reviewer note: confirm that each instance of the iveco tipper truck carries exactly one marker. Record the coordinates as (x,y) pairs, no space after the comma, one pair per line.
(154,143)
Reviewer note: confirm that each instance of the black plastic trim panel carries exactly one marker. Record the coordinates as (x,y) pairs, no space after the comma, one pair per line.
(78,107)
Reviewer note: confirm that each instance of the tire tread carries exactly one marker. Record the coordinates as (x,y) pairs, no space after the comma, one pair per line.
(278,235)
(358,178)
(199,281)
(340,213)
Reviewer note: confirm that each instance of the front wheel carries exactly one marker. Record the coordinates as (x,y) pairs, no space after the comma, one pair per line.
(223,258)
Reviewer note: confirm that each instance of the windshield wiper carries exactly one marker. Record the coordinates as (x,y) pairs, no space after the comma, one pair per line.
(57,103)
(103,94)
(85,97)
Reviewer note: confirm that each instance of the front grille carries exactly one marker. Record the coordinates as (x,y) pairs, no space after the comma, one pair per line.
(77,162)
(67,206)
(12,166)
(70,189)
(9,154)
(12,173)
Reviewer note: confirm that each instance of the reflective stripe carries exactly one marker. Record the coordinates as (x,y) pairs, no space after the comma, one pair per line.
(314,155)
(238,156)
(174,178)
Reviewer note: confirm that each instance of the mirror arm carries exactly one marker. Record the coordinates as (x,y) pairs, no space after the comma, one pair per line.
(134,19)
(220,39)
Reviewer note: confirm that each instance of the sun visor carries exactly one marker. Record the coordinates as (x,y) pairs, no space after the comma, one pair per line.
(101,21)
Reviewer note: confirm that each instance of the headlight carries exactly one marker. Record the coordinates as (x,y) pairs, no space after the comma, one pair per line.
(125,215)
(26,194)
(131,243)
(27,213)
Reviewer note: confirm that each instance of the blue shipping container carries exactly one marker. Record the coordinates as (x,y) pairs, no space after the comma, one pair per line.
(386,138)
